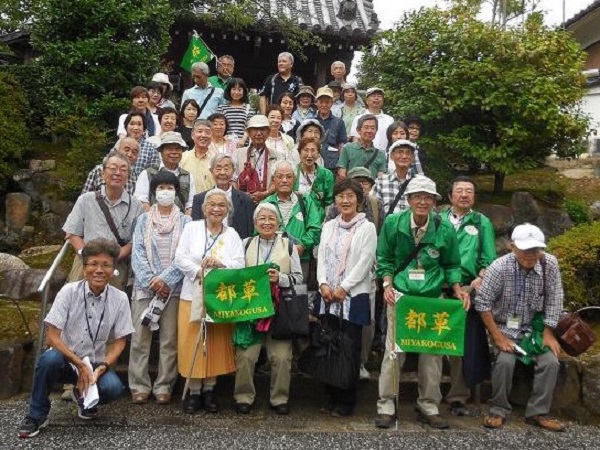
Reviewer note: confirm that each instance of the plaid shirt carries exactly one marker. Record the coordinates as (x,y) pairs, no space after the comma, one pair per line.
(148,157)
(509,291)
(385,189)
(95,181)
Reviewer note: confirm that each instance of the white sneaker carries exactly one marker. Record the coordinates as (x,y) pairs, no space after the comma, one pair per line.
(364,373)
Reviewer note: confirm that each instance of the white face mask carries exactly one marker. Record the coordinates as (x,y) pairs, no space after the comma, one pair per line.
(165,197)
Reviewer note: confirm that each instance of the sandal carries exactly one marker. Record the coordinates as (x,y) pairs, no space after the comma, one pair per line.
(546,422)
(494,421)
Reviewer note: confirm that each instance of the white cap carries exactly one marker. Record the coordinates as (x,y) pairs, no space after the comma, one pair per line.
(527,236)
(171,137)
(372,90)
(160,77)
(420,183)
(402,143)
(258,121)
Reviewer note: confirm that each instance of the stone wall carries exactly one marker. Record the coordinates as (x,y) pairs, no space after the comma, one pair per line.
(36,214)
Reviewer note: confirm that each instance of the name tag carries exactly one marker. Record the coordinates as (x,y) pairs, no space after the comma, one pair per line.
(514,323)
(416,275)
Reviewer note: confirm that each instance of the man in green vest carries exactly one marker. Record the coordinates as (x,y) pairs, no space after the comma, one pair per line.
(299,215)
(171,151)
(477,248)
(417,254)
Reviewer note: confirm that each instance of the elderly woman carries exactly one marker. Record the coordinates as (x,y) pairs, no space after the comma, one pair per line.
(310,177)
(305,99)
(268,247)
(190,110)
(205,245)
(220,141)
(277,141)
(167,117)
(156,291)
(346,256)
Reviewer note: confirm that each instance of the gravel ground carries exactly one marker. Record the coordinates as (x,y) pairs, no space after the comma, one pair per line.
(126,426)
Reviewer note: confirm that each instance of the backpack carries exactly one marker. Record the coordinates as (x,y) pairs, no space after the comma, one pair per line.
(248,180)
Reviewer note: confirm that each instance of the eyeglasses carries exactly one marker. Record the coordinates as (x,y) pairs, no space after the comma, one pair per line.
(103,266)
(426,198)
(413,128)
(343,197)
(282,176)
(115,169)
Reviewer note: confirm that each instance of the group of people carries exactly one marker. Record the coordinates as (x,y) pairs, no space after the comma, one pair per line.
(331,192)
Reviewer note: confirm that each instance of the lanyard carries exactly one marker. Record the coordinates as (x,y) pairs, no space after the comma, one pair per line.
(265,258)
(94,338)
(519,288)
(207,247)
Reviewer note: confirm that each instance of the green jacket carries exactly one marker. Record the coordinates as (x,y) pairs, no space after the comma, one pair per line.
(322,188)
(305,231)
(439,257)
(475,231)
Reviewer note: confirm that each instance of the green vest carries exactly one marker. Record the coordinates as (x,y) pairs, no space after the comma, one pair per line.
(184,186)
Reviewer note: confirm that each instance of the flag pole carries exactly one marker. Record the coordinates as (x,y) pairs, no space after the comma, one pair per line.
(199,339)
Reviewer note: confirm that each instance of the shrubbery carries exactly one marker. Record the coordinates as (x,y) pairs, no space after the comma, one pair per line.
(578,211)
(14,140)
(578,253)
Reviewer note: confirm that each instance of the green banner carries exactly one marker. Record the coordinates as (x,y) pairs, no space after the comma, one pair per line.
(430,325)
(196,51)
(238,295)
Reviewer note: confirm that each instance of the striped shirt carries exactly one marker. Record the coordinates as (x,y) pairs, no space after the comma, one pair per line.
(108,316)
(237,117)
(509,291)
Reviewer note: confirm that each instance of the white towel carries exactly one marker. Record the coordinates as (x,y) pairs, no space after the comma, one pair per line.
(92,397)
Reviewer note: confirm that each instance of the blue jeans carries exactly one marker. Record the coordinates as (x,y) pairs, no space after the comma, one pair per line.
(53,368)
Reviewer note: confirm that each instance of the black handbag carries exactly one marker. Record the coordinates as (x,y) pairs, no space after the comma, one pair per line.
(291,316)
(330,357)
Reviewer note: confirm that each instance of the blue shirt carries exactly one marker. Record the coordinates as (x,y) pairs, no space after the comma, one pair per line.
(200,94)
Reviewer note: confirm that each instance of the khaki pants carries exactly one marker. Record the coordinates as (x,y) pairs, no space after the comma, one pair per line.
(141,340)
(429,376)
(459,392)
(280,357)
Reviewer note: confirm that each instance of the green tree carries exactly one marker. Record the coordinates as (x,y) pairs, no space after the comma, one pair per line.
(504,97)
(96,51)
(241,16)
(14,140)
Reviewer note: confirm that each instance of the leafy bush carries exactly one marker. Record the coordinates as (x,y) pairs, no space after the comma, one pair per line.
(578,211)
(86,145)
(578,253)
(14,140)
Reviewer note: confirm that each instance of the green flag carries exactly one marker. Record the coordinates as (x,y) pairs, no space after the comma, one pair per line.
(430,325)
(238,295)
(196,51)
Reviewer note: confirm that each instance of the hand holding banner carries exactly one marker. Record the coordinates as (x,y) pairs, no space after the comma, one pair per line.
(430,325)
(238,295)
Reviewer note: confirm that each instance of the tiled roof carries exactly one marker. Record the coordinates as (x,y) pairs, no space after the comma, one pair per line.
(581,14)
(345,18)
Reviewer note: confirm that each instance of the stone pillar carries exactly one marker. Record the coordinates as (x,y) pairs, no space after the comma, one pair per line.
(18,206)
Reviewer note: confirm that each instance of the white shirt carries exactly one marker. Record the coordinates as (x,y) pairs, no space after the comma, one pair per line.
(383,122)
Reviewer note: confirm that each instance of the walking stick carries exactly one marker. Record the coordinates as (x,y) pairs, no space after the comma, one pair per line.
(394,358)
(199,338)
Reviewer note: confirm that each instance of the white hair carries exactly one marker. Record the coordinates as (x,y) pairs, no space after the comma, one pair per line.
(216,191)
(287,55)
(283,163)
(220,157)
(202,67)
(338,63)
(269,207)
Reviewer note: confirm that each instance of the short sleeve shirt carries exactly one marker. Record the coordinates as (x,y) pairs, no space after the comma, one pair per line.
(275,85)
(355,155)
(88,321)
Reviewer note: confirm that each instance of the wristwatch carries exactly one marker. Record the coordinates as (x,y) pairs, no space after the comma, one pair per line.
(106,366)
(386,284)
